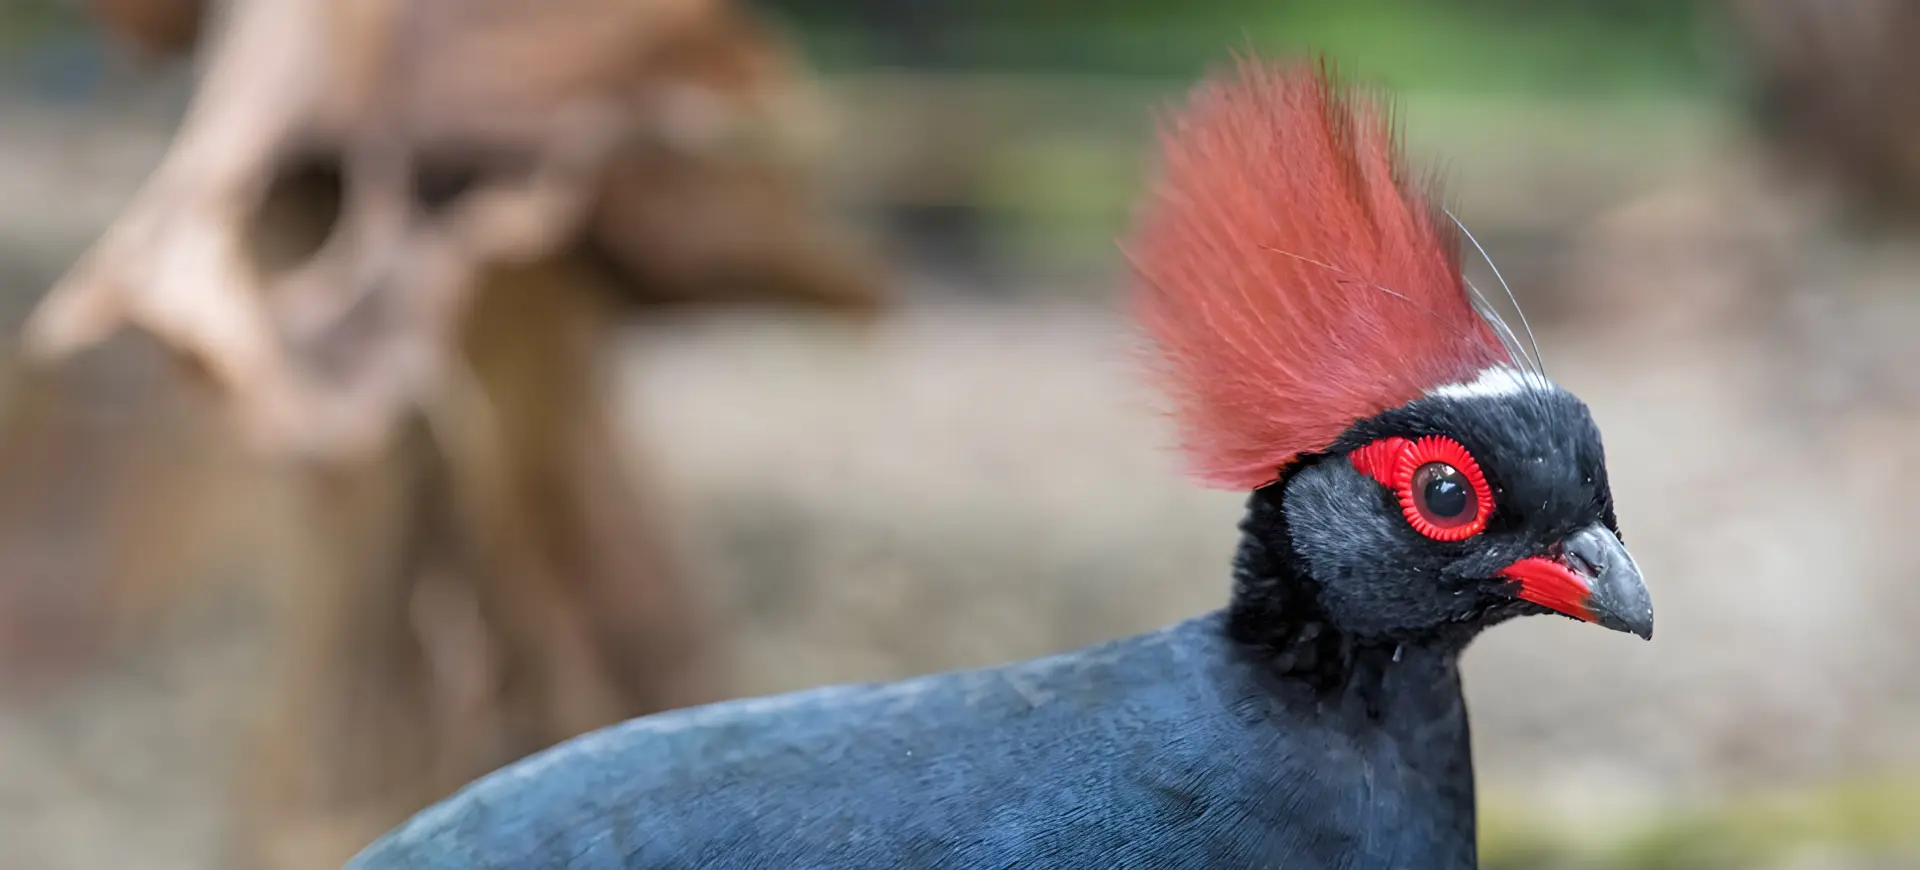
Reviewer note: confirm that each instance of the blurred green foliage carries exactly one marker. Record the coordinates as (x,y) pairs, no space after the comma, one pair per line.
(1487,46)
(1529,46)
(24,22)
(1065,87)
(1860,823)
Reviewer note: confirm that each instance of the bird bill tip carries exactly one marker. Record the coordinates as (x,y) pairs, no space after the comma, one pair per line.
(1593,579)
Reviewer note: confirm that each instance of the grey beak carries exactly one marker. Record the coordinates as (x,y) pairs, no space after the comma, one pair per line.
(1617,595)
(1593,579)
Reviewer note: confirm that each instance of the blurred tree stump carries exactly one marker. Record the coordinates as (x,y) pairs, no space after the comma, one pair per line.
(398,239)
(493,582)
(97,536)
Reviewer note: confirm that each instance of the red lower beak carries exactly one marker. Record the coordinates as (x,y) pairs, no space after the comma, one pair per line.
(1595,580)
(1551,585)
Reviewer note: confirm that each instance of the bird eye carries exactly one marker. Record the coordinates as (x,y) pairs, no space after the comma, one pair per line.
(1442,496)
(1440,487)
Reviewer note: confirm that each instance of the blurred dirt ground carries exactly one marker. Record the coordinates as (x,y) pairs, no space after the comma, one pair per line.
(974,482)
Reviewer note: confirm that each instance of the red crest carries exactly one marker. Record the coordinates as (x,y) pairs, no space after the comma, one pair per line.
(1292,275)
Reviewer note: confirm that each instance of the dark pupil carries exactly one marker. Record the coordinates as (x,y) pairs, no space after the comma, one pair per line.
(1444,490)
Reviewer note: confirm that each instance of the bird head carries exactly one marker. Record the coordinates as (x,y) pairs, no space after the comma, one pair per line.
(1413,471)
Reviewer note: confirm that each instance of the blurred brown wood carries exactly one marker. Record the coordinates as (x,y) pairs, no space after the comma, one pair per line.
(156,28)
(495,582)
(492,574)
(465,136)
(1836,86)
(80,493)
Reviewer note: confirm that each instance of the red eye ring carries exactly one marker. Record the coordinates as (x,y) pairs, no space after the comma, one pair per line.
(1396,461)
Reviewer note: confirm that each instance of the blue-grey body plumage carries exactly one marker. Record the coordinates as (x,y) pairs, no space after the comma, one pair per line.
(1170,750)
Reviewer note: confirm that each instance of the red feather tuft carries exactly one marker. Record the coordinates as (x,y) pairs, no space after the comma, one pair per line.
(1294,279)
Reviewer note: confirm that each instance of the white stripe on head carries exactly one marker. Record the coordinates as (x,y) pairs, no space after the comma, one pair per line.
(1493,382)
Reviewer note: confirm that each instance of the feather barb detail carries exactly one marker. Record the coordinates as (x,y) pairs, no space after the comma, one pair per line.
(1293,275)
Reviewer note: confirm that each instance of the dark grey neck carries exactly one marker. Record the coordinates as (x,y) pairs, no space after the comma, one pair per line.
(1276,614)
(1398,705)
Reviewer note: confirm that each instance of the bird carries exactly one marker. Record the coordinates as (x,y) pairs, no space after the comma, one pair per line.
(1412,477)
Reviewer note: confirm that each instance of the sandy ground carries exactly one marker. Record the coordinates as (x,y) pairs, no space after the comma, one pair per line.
(974,483)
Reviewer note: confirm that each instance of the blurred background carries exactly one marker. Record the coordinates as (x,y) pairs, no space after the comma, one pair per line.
(857,400)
